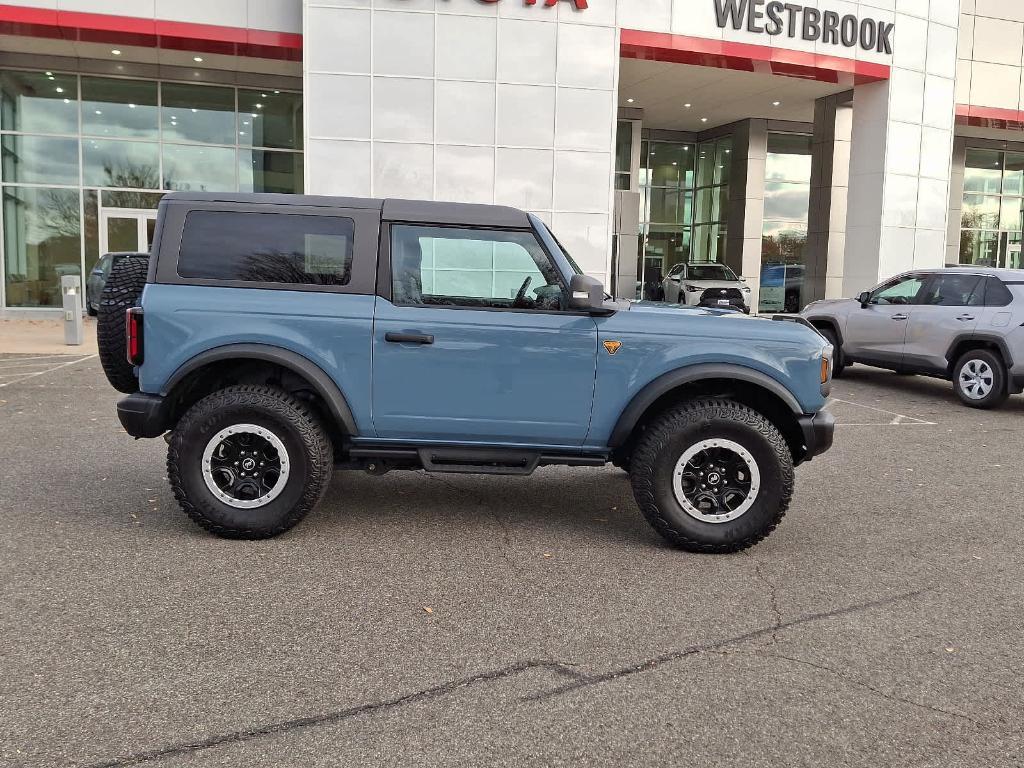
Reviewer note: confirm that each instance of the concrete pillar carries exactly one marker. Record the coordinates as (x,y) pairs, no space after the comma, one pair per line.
(830,175)
(900,153)
(746,202)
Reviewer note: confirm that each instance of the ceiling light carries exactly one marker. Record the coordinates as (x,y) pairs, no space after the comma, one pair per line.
(197,59)
(276,92)
(259,106)
(131,106)
(194,110)
(686,105)
(241,133)
(99,111)
(116,52)
(67,101)
(49,74)
(776,103)
(703,119)
(629,101)
(59,90)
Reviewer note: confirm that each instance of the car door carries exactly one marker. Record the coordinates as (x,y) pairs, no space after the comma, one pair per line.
(473,341)
(949,306)
(673,283)
(876,331)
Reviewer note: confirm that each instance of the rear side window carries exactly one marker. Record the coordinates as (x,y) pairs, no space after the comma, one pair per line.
(267,247)
(997,294)
(953,289)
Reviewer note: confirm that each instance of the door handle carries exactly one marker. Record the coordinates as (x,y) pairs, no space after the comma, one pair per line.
(964,318)
(409,338)
(900,317)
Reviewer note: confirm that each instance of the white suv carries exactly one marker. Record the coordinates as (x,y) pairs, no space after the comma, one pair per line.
(706,284)
(963,324)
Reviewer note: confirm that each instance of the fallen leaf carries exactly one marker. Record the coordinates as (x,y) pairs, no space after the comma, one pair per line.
(950,649)
(428,609)
(547,554)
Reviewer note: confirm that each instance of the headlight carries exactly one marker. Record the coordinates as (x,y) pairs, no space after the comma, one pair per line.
(693,288)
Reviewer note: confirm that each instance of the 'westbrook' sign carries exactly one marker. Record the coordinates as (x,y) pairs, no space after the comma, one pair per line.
(811,24)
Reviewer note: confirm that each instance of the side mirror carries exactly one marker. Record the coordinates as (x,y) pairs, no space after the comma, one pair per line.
(864,298)
(586,293)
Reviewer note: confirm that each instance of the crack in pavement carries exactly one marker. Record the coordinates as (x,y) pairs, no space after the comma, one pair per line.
(653,663)
(331,718)
(564,669)
(876,691)
(773,597)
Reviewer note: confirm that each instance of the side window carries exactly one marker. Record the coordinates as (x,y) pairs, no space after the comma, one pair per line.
(449,266)
(996,294)
(267,247)
(953,290)
(900,292)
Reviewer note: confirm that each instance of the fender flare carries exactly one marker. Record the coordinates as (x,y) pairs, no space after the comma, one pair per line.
(988,338)
(831,323)
(665,383)
(296,363)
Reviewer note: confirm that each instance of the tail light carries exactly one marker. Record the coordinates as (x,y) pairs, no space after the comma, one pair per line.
(133,335)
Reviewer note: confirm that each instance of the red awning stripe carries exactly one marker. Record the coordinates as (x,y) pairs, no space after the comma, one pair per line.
(149,33)
(745,57)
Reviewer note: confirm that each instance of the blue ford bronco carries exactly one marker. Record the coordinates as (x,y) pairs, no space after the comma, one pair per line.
(274,338)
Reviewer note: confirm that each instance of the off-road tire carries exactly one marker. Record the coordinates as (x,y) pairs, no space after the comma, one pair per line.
(121,293)
(1000,391)
(838,358)
(668,436)
(310,455)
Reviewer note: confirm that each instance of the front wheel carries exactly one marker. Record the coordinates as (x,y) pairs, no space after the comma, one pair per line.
(249,462)
(979,379)
(712,476)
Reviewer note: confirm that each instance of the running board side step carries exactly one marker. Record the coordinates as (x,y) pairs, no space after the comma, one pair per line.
(472,460)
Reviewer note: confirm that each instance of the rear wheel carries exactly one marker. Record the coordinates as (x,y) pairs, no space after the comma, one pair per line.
(712,476)
(249,462)
(979,379)
(121,293)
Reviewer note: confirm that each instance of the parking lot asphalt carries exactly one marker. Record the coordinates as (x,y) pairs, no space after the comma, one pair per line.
(460,620)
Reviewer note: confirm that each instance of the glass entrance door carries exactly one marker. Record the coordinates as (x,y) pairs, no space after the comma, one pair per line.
(126,230)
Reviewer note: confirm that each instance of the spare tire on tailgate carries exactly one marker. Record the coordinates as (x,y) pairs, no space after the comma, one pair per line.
(121,293)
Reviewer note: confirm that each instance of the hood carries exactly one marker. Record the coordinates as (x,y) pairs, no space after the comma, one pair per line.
(705,284)
(660,308)
(821,304)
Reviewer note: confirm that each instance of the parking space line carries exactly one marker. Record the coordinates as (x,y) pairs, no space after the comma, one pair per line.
(898,419)
(44,371)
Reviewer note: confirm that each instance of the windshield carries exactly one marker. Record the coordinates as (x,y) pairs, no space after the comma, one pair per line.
(573,264)
(710,272)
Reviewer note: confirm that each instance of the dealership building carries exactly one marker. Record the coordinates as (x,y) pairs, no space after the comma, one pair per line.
(814,147)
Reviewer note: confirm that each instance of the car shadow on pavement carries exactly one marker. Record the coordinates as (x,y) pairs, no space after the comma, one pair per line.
(596,505)
(887,382)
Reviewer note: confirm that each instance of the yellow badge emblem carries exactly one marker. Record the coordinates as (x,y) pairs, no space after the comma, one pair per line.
(612,346)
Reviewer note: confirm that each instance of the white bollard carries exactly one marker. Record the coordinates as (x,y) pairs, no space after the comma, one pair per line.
(74,331)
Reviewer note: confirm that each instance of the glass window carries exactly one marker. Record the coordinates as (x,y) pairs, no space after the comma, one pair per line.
(39,102)
(270,119)
(263,171)
(900,292)
(133,164)
(448,266)
(200,113)
(789,158)
(199,169)
(723,161)
(996,294)
(40,160)
(980,212)
(979,248)
(983,171)
(122,199)
(267,248)
(123,109)
(1013,174)
(787,201)
(42,243)
(953,290)
(1009,214)
(706,164)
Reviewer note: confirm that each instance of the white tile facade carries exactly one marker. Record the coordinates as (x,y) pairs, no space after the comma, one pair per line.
(990,54)
(469,101)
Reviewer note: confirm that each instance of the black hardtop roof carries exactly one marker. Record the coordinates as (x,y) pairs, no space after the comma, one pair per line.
(414,211)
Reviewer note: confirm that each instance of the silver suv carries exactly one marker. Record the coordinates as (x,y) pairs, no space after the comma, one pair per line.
(962,324)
